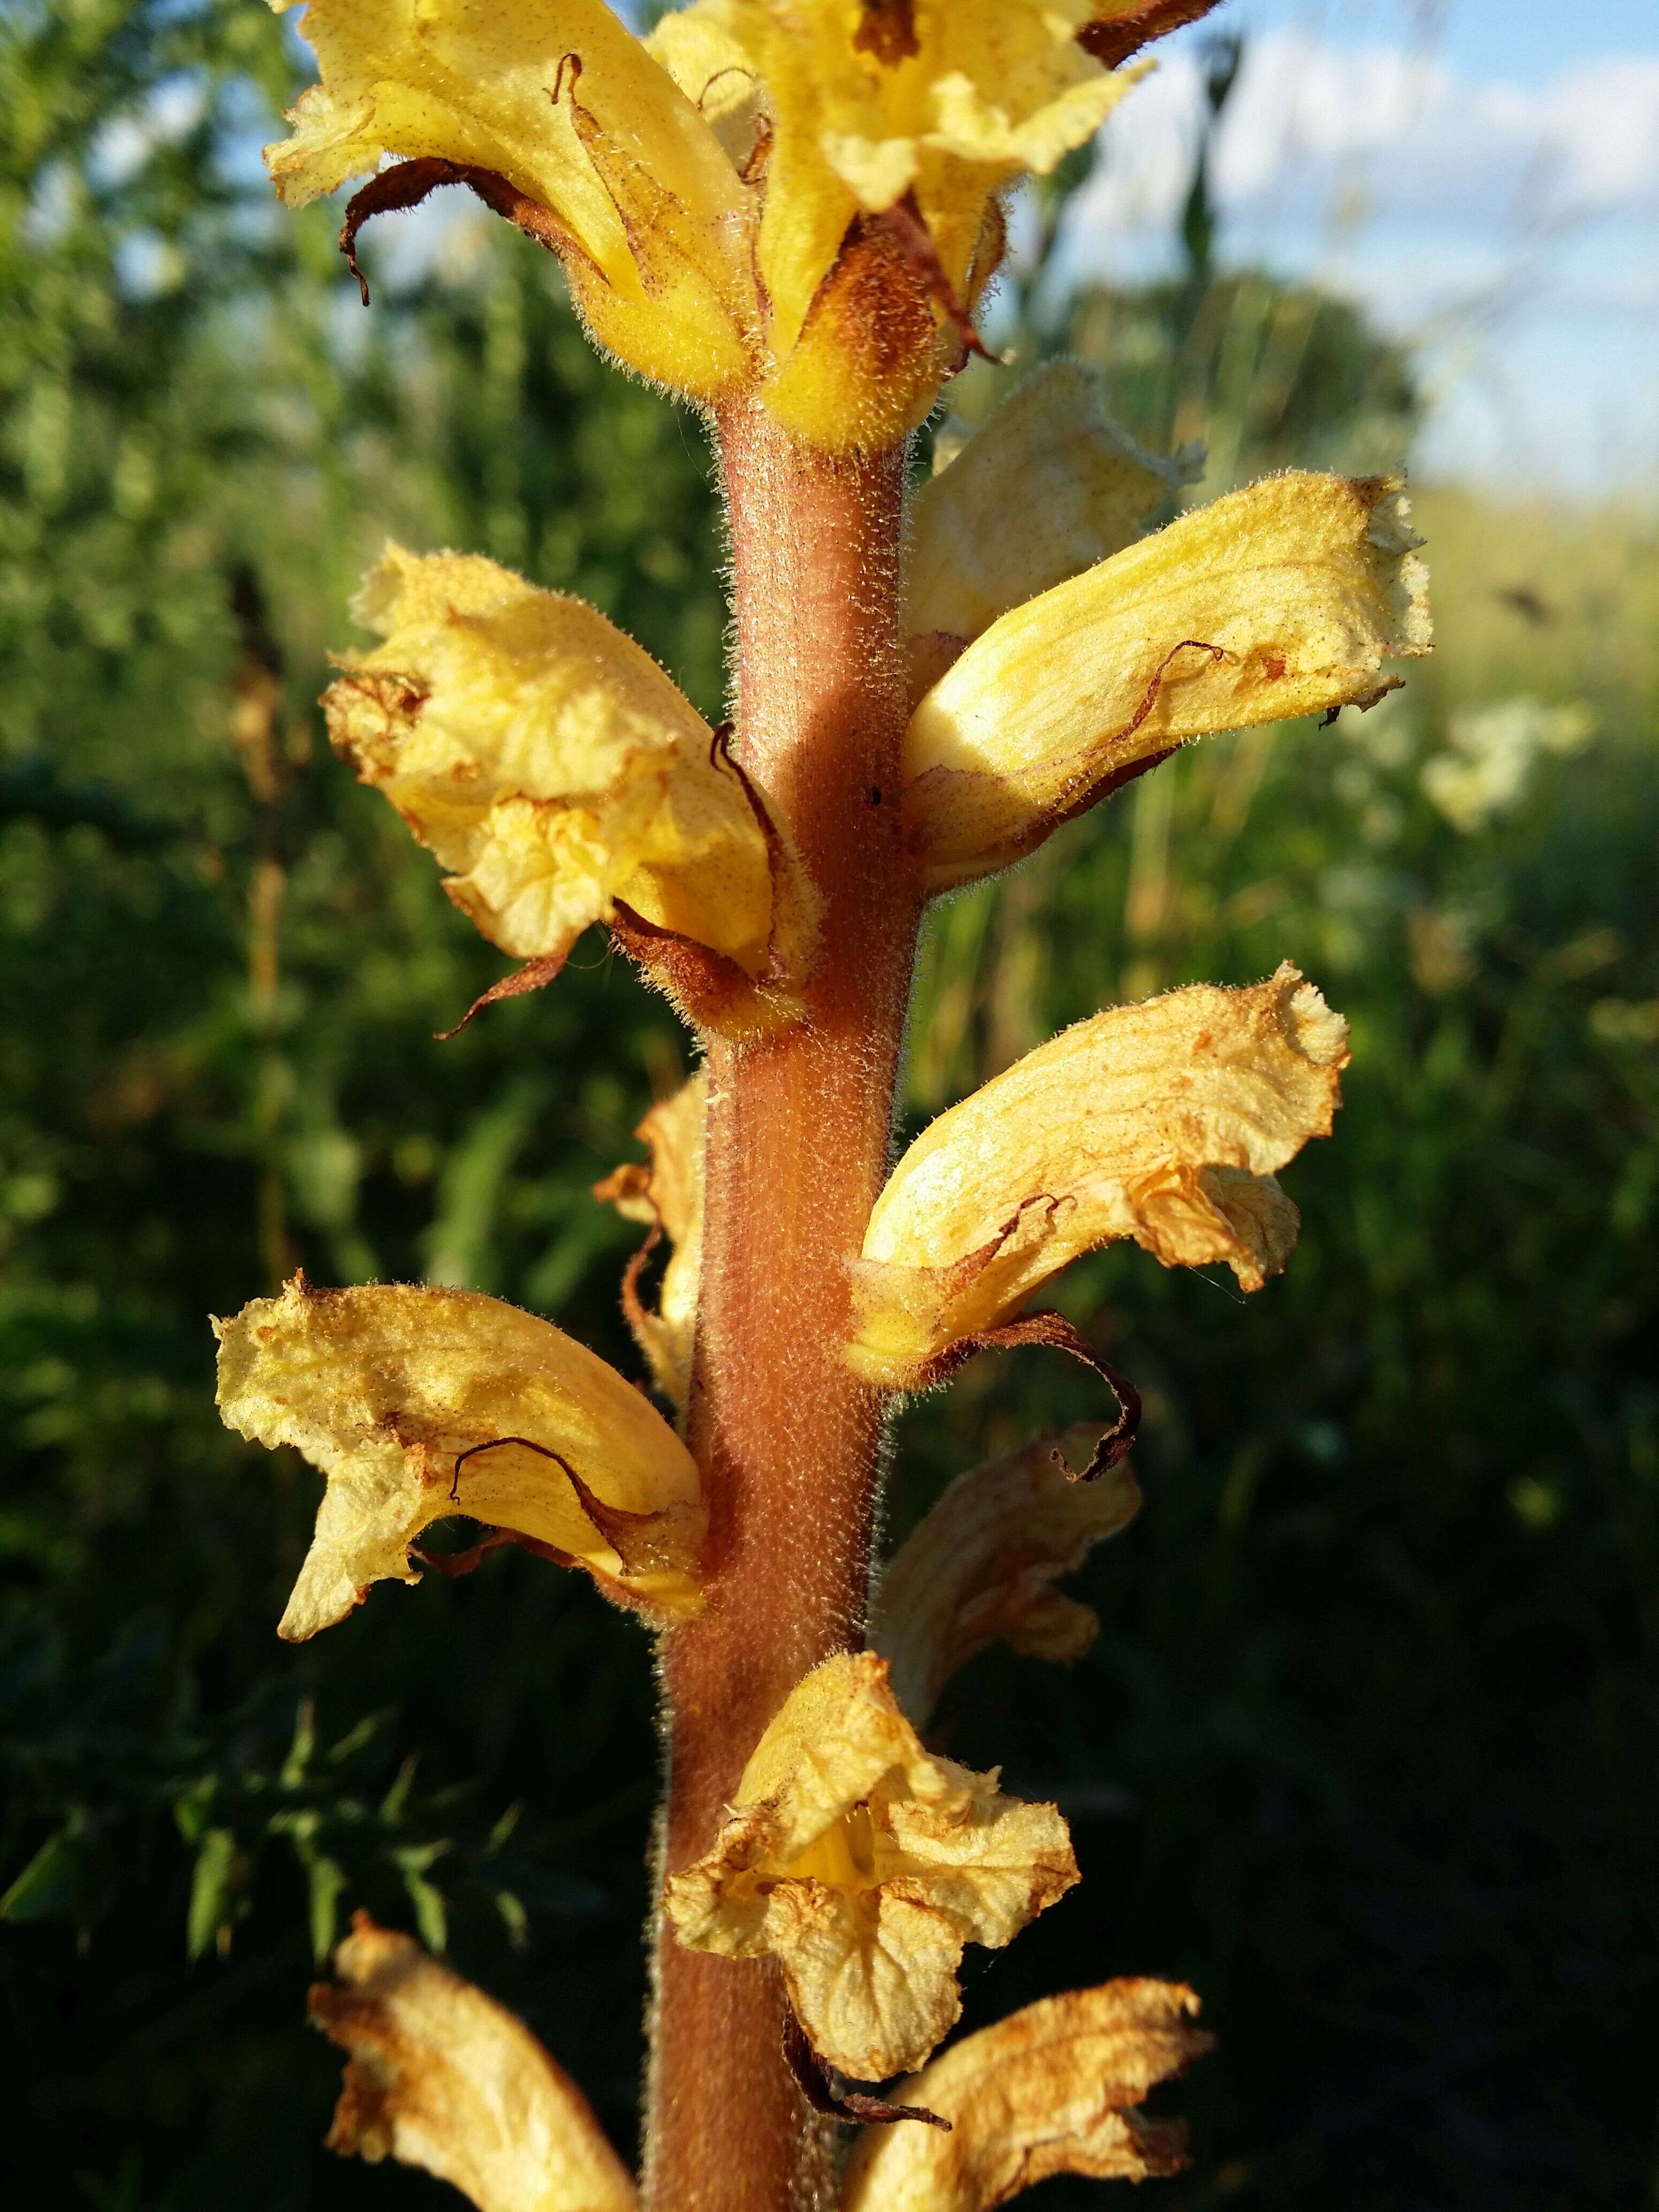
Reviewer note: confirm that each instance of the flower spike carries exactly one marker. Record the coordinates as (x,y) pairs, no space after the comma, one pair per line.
(1281,599)
(863,1864)
(417,1404)
(1052,2090)
(788,201)
(1164,1121)
(563,780)
(440,2076)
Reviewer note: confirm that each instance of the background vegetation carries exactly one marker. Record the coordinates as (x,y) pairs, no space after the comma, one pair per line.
(1367,1749)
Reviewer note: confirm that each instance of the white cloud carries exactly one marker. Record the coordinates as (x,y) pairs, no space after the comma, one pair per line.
(1520,218)
(1312,126)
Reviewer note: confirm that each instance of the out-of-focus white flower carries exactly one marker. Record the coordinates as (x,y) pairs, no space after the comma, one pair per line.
(1483,770)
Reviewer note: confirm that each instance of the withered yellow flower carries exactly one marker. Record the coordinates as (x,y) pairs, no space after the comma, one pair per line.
(879,135)
(1051,2090)
(788,200)
(1050,486)
(403,1395)
(979,1569)
(1281,599)
(443,2077)
(668,1197)
(559,119)
(1164,1121)
(863,1864)
(562,779)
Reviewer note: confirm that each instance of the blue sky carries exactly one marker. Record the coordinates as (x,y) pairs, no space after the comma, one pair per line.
(1483,175)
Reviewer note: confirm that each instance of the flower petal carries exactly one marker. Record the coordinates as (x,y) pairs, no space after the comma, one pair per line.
(558,99)
(981,1567)
(668,1195)
(1047,488)
(559,774)
(390,1389)
(1051,2090)
(441,2076)
(1164,1121)
(1281,599)
(863,1864)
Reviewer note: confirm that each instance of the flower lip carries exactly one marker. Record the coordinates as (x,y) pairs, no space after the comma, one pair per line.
(390,1389)
(863,1864)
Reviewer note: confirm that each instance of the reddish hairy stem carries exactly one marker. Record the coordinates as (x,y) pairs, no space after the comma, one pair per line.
(798,1144)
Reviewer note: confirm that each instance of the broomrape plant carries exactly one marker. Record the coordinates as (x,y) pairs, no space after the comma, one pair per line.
(787,211)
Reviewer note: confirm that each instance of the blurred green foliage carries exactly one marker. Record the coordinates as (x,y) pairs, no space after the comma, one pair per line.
(1367,1749)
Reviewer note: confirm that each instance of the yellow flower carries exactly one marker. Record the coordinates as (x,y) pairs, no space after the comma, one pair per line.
(1049,487)
(1051,2090)
(667,1196)
(416,1404)
(790,200)
(863,1864)
(1164,1121)
(1281,599)
(443,2077)
(881,131)
(980,1568)
(556,114)
(563,780)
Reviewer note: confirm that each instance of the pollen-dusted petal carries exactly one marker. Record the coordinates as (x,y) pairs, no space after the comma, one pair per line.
(1283,599)
(1164,1121)
(387,1388)
(981,1567)
(1051,2090)
(554,769)
(668,1197)
(562,102)
(863,1864)
(1047,488)
(441,2076)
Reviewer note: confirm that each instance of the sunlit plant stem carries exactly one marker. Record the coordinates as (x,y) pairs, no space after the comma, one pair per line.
(798,1135)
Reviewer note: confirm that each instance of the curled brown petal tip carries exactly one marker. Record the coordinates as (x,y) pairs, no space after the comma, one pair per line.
(1054,1330)
(454,1564)
(406,184)
(1120,38)
(633,1305)
(532,976)
(851,2105)
(642,1541)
